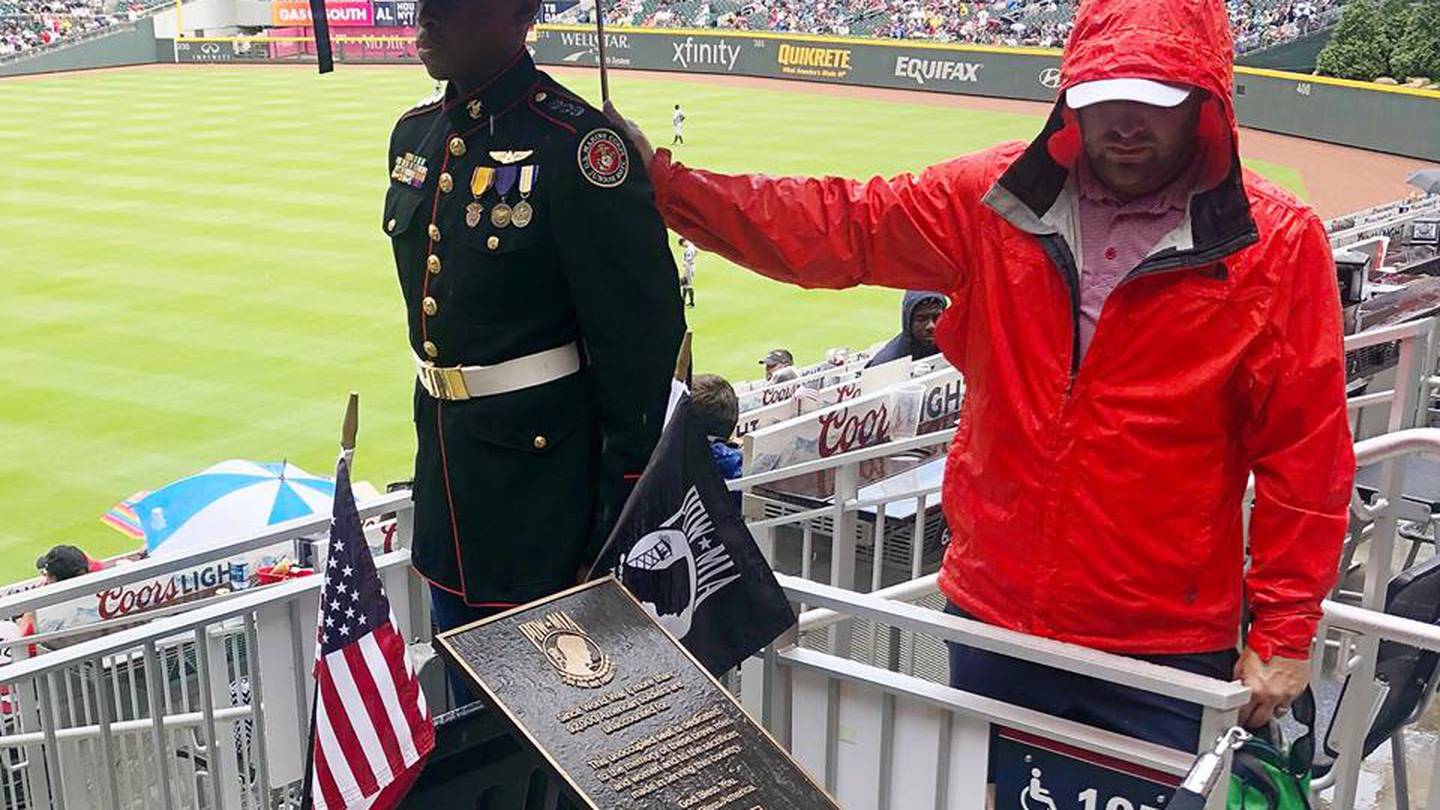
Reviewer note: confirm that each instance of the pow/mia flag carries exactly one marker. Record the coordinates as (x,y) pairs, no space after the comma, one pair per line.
(681,548)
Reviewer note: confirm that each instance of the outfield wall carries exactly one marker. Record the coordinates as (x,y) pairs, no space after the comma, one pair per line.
(1398,120)
(131,44)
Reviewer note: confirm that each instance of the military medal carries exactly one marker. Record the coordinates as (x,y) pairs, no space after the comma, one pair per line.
(524,213)
(479,183)
(480,180)
(505,177)
(501,215)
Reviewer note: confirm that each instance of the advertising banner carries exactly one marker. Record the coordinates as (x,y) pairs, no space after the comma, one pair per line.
(384,13)
(213,51)
(862,422)
(340,13)
(210,578)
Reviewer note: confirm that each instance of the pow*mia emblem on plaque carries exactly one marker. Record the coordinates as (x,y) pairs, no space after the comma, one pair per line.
(570,651)
(603,159)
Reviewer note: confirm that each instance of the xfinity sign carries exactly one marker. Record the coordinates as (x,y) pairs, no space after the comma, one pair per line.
(921,71)
(705,54)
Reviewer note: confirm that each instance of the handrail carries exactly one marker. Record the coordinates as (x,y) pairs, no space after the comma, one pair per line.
(863,454)
(169,722)
(1388,446)
(907,591)
(852,505)
(1374,623)
(1388,334)
(1216,694)
(90,584)
(186,622)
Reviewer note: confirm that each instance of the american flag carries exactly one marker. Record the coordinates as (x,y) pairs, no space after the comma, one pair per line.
(370,730)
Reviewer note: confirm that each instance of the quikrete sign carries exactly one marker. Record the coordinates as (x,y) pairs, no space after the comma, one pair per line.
(806,60)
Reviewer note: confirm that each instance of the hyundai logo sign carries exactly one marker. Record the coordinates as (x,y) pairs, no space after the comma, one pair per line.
(1050,77)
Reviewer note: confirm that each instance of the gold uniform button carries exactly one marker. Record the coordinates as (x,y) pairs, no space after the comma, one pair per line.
(431,350)
(541,443)
(446,183)
(432,263)
(539,97)
(434,233)
(390,226)
(457,147)
(429,305)
(493,242)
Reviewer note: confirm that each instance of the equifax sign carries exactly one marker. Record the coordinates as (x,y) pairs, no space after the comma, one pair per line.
(340,13)
(936,70)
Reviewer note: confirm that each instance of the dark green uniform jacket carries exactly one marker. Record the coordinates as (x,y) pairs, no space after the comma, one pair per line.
(515,492)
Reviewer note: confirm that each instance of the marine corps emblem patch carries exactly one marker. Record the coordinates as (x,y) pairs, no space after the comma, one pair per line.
(603,158)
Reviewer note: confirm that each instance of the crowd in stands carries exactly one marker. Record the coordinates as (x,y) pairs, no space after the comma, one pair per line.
(1031,23)
(26,25)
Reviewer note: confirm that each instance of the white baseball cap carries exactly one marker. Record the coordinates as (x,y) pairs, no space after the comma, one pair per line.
(1144,91)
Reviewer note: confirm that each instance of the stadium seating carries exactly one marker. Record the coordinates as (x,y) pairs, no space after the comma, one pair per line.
(29,25)
(1045,23)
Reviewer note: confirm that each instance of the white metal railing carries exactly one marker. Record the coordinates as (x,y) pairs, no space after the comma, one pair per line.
(806,694)
(121,575)
(172,712)
(207,709)
(915,743)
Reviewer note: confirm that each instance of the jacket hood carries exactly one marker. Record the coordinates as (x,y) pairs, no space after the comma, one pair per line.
(913,299)
(901,345)
(1176,41)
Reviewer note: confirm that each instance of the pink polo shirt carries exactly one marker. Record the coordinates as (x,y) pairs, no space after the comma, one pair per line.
(1116,236)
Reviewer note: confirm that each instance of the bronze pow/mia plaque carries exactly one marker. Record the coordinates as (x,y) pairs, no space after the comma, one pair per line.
(621,712)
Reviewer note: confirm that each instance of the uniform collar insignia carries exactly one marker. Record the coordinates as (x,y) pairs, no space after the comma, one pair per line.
(511,85)
(509,156)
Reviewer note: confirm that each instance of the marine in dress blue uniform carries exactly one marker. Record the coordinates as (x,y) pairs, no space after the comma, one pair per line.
(544,317)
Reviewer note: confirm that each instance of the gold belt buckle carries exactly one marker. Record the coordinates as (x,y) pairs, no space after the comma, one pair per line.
(447,383)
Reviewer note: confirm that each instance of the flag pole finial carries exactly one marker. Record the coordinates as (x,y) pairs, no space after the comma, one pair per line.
(350,428)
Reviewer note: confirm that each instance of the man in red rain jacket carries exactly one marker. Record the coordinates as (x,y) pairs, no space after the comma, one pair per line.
(1141,324)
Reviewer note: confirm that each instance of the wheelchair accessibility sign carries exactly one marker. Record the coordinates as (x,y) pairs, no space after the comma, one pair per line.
(1033,773)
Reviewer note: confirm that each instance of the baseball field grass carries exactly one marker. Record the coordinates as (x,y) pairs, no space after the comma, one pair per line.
(192,268)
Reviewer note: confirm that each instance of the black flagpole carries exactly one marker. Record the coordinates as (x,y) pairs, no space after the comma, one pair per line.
(323,52)
(600,30)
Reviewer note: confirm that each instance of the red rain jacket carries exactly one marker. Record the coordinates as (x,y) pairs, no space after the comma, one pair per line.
(1099,502)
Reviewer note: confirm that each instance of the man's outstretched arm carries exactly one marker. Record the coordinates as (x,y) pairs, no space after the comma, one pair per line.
(907,232)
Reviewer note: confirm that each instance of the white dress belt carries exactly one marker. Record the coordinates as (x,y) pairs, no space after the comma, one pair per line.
(471,382)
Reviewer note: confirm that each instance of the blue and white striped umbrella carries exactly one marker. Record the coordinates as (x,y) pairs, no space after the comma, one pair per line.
(228,499)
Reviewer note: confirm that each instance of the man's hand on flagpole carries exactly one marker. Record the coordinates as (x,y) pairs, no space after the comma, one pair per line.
(633,131)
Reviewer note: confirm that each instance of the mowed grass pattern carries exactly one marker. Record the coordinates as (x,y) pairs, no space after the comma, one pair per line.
(192,268)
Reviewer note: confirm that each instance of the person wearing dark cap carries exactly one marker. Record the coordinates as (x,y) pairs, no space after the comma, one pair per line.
(779,366)
(544,314)
(63,562)
(60,563)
